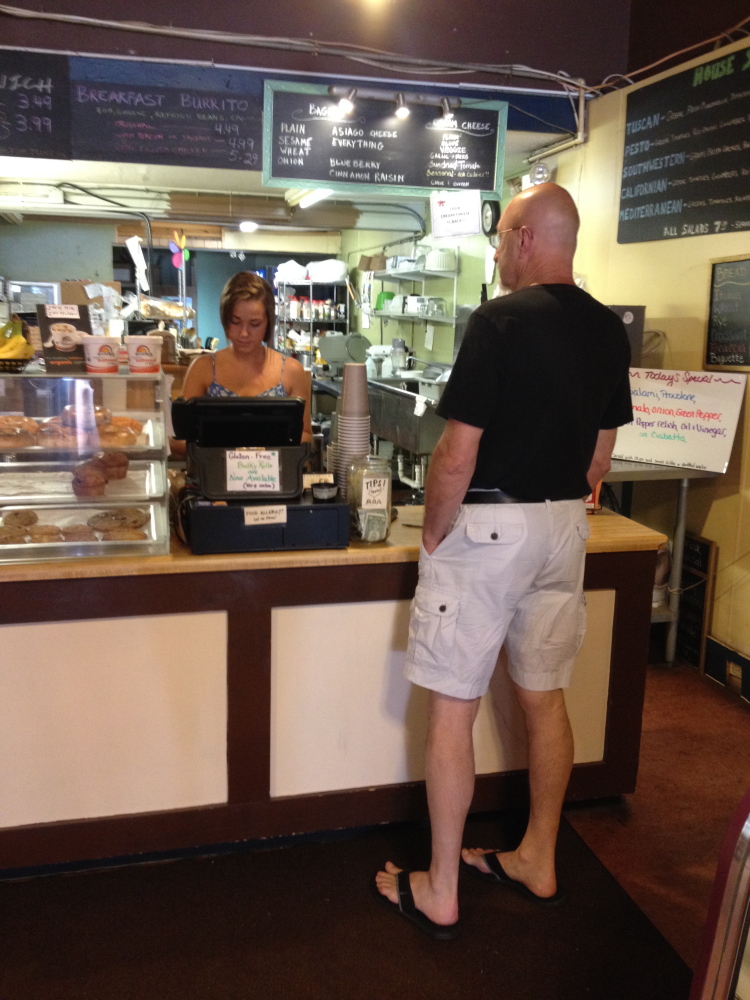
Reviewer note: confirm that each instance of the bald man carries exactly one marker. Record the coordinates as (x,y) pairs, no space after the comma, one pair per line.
(535,397)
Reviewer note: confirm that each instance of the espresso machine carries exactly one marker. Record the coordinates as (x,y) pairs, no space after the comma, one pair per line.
(245,487)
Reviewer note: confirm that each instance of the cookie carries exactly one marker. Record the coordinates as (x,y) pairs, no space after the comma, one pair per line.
(79,533)
(123,535)
(119,517)
(19,518)
(12,536)
(45,533)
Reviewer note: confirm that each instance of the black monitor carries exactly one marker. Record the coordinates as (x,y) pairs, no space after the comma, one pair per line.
(239,421)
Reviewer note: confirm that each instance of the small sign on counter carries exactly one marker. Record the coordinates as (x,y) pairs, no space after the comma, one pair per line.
(264,515)
(253,471)
(62,329)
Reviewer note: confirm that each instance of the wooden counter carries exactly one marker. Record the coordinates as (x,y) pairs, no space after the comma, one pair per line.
(609,533)
(152,704)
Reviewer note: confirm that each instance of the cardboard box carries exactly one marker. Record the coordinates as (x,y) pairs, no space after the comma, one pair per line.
(73,293)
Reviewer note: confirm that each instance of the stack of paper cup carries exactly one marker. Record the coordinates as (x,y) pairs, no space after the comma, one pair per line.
(353,424)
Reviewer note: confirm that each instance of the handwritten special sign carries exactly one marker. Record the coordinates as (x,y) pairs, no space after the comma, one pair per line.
(683,419)
(253,471)
(375,492)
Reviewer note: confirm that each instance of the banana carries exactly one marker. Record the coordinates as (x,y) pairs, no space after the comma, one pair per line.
(14,348)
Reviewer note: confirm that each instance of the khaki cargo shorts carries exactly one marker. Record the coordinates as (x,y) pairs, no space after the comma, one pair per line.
(506,574)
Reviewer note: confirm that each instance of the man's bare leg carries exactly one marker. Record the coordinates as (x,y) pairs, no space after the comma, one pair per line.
(449,767)
(550,764)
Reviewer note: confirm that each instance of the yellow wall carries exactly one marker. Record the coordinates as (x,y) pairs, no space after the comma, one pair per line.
(356,242)
(671,278)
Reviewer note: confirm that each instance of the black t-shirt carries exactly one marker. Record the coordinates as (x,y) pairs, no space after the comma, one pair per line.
(542,371)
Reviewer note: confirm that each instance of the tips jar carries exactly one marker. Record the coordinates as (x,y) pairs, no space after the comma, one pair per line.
(369,495)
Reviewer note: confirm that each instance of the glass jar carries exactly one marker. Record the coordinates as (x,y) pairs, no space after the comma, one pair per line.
(369,494)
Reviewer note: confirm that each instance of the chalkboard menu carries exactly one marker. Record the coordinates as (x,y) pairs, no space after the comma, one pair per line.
(34,106)
(165,113)
(686,163)
(308,141)
(728,337)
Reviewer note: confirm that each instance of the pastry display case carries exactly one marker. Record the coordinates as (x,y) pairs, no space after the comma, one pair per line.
(82,466)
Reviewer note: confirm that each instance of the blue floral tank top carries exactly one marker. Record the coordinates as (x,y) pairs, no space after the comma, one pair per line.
(216,389)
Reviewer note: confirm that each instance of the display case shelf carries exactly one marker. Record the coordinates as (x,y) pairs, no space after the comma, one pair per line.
(38,479)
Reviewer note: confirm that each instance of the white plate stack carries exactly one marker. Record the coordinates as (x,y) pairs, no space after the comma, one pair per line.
(353,425)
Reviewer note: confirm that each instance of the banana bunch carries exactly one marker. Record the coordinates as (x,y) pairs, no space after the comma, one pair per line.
(13,344)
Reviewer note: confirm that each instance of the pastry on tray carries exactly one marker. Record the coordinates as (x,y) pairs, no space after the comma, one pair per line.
(89,480)
(128,422)
(12,438)
(22,423)
(12,536)
(19,518)
(119,517)
(86,417)
(45,533)
(124,535)
(79,533)
(113,437)
(52,435)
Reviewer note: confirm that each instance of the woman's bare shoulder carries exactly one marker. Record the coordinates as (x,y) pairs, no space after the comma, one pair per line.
(199,376)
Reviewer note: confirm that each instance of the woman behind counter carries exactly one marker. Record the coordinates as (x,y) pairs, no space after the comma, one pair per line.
(248,367)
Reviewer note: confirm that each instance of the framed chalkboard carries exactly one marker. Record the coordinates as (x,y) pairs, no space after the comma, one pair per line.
(307,142)
(685,158)
(34,105)
(170,113)
(728,332)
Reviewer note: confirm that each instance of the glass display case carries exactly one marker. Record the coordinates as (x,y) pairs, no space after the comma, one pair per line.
(82,466)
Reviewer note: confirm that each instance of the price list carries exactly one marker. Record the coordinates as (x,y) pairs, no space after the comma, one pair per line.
(728,339)
(686,158)
(34,109)
(310,140)
(152,124)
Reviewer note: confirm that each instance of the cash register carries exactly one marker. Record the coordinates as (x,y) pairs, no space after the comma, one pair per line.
(244,471)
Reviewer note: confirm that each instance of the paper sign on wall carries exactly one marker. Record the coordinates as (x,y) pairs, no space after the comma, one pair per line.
(252,471)
(683,419)
(455,213)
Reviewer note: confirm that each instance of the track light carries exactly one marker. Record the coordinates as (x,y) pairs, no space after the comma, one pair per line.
(401,109)
(248,227)
(445,106)
(313,196)
(347,101)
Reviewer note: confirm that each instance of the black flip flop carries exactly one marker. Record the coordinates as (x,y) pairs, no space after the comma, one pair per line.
(406,908)
(498,876)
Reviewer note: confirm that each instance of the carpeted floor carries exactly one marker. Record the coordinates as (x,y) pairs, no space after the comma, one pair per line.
(298,923)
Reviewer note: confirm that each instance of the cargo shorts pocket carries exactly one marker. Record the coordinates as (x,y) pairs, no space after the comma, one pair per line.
(432,629)
(584,531)
(581,623)
(493,534)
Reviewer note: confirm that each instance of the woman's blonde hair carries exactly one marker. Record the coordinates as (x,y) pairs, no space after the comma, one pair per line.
(245,286)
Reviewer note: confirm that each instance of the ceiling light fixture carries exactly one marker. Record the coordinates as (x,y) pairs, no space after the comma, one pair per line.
(412,98)
(402,110)
(445,106)
(314,196)
(347,101)
(248,227)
